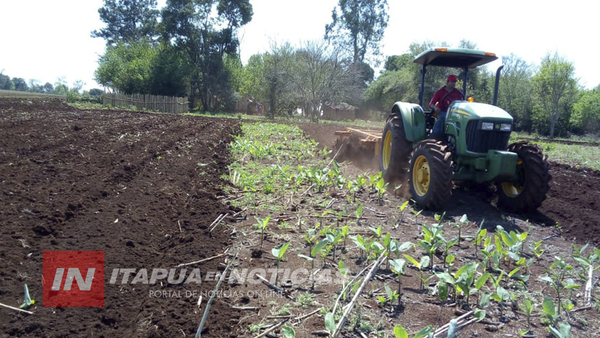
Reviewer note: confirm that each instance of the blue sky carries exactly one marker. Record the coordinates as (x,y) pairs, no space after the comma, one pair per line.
(46,40)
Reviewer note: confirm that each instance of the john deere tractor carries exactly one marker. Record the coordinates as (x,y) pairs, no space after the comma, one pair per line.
(474,147)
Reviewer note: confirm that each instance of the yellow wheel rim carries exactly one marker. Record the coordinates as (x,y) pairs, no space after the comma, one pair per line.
(421,175)
(510,189)
(387,149)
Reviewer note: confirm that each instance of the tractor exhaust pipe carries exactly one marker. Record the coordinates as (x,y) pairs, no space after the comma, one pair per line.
(496,85)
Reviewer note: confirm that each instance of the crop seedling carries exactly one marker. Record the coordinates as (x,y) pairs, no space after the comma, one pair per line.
(527,308)
(399,268)
(587,267)
(330,322)
(445,280)
(262,226)
(278,252)
(400,332)
(421,265)
(465,278)
(313,253)
(500,296)
(513,241)
(416,213)
(564,330)
(391,296)
(558,280)
(402,209)
(28,301)
(359,214)
(381,187)
(537,250)
(550,313)
(463,220)
(288,331)
(479,238)
(432,240)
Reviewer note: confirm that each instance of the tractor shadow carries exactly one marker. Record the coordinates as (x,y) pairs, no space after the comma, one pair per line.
(479,203)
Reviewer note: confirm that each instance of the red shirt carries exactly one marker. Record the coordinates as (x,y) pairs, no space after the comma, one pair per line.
(443,98)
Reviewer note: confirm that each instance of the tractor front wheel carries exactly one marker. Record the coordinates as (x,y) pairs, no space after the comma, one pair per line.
(395,151)
(529,189)
(431,174)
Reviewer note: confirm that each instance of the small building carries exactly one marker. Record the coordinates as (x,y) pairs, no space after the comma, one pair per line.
(339,111)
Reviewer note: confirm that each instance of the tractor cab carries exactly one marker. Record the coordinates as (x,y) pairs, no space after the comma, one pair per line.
(461,58)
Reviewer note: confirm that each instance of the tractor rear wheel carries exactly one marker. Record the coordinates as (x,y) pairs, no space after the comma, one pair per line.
(431,174)
(529,190)
(395,150)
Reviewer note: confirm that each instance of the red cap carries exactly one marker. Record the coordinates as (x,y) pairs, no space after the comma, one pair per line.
(452,78)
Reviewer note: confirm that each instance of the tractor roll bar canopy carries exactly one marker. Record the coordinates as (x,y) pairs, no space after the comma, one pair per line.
(455,58)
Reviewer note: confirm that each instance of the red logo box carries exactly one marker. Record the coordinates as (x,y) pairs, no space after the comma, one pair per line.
(73,279)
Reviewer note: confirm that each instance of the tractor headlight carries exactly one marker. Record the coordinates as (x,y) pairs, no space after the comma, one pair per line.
(505,127)
(487,125)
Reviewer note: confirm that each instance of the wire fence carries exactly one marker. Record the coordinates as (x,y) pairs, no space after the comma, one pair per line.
(166,104)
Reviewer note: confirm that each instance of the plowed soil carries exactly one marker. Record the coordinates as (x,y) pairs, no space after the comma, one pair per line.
(144,188)
(141,187)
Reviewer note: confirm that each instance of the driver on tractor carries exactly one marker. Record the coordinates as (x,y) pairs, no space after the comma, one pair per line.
(440,102)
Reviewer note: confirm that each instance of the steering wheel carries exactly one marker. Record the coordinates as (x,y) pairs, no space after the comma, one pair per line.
(446,101)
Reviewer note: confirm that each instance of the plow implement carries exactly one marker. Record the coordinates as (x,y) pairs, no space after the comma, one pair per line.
(358,142)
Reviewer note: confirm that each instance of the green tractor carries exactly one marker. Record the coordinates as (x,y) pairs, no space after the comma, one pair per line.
(474,147)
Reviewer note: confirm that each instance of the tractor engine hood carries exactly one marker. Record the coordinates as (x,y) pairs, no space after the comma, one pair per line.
(475,110)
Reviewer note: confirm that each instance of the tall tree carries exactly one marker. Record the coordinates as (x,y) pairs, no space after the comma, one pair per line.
(20,84)
(5,82)
(514,94)
(358,26)
(586,112)
(253,81)
(554,84)
(322,76)
(126,67)
(206,30)
(169,71)
(278,79)
(128,21)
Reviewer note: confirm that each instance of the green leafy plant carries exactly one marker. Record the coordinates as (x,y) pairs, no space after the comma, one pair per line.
(463,220)
(558,279)
(399,268)
(313,253)
(391,296)
(564,330)
(527,308)
(381,188)
(550,313)
(262,226)
(359,214)
(537,249)
(479,238)
(28,301)
(402,209)
(288,331)
(400,332)
(431,240)
(465,279)
(421,265)
(330,322)
(279,252)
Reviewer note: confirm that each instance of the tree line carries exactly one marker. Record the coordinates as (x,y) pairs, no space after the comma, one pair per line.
(190,48)
(60,87)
